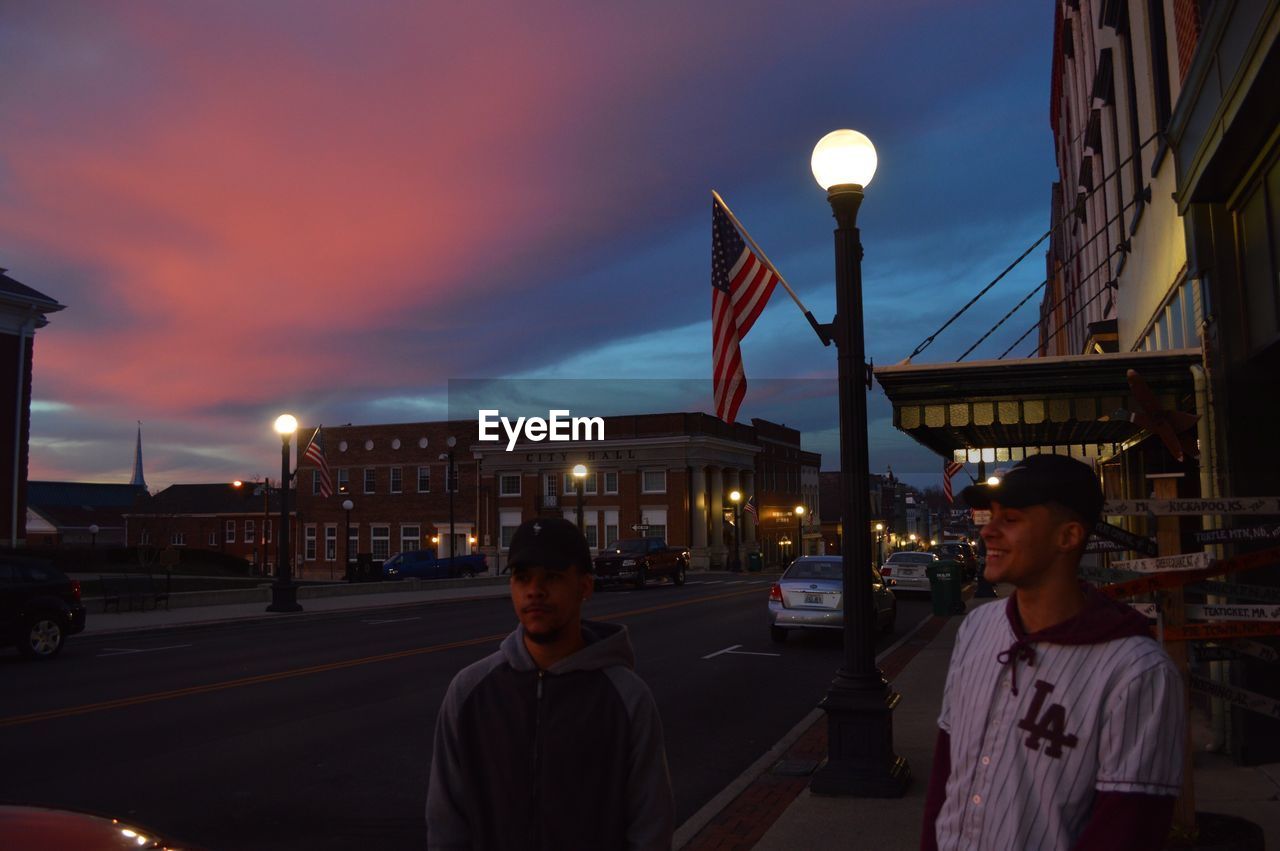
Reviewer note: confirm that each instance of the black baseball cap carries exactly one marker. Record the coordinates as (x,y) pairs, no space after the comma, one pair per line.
(550,542)
(1040,479)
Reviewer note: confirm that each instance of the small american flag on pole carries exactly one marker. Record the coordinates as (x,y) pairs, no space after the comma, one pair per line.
(949,469)
(315,454)
(751,506)
(741,284)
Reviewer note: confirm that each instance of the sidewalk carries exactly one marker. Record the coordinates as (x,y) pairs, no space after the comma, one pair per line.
(771,808)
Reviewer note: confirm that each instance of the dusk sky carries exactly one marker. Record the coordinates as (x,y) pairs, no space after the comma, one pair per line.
(334,208)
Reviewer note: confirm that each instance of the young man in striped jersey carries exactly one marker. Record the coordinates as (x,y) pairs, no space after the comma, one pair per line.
(1063,722)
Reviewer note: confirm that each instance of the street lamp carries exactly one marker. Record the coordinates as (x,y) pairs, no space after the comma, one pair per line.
(735,497)
(993,480)
(859,703)
(799,529)
(93,539)
(450,484)
(912,537)
(580,476)
(284,594)
(347,505)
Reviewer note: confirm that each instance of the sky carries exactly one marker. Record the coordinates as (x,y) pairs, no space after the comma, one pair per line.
(335,208)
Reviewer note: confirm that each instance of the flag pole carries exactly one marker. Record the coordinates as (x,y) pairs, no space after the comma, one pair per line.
(823,331)
(304,451)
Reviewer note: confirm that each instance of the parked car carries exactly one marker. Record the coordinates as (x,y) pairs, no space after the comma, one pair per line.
(39,607)
(423,564)
(636,560)
(810,595)
(906,571)
(962,553)
(32,828)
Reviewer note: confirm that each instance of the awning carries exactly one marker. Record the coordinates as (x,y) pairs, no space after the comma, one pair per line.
(1000,409)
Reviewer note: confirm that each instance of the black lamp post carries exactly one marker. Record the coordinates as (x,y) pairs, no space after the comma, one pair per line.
(735,497)
(859,703)
(799,511)
(879,544)
(284,594)
(580,477)
(451,485)
(347,505)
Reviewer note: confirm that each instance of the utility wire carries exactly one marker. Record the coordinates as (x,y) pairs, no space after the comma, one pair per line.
(1067,321)
(927,341)
(1099,232)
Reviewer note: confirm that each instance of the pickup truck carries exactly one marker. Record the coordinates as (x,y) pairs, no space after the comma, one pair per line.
(635,560)
(423,564)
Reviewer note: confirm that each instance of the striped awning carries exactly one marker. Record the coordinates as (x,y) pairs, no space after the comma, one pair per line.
(1001,409)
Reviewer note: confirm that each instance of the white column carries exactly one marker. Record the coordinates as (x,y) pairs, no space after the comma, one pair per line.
(698,557)
(716,549)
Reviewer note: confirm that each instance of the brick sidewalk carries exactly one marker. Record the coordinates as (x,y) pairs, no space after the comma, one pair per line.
(747,818)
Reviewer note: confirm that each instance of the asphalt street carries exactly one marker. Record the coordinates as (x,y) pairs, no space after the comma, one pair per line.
(314,730)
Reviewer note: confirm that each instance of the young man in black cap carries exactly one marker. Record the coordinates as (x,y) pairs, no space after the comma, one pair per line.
(1062,722)
(553,741)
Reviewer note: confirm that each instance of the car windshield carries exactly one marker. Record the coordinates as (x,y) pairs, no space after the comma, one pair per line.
(911,558)
(629,545)
(814,570)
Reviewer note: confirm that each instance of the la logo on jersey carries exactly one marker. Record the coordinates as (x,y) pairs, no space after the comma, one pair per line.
(1051,726)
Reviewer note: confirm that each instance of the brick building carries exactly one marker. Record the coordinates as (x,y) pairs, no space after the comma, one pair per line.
(658,474)
(238,521)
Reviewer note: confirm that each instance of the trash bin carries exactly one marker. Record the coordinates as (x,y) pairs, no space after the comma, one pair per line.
(365,568)
(754,563)
(945,581)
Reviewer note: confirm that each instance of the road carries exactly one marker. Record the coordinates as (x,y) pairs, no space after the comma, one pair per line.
(314,731)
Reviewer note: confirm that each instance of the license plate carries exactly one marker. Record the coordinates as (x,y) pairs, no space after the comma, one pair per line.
(813,599)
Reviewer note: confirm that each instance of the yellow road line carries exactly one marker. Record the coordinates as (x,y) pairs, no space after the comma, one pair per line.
(120,703)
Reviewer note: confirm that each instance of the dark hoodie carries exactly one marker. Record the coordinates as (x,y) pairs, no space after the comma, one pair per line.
(567,758)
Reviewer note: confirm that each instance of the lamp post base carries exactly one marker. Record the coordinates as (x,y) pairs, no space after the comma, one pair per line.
(284,598)
(860,759)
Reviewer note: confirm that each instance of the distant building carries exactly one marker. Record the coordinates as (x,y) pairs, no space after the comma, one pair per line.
(23,311)
(220,517)
(66,513)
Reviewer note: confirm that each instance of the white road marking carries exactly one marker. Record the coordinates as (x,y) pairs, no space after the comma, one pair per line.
(736,652)
(125,651)
(392,620)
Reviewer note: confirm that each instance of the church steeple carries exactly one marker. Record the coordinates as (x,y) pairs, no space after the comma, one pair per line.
(138,479)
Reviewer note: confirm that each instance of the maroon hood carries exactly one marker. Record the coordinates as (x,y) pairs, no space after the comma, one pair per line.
(1102,619)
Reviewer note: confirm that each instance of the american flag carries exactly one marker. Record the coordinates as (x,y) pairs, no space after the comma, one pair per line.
(315,454)
(741,284)
(751,506)
(949,469)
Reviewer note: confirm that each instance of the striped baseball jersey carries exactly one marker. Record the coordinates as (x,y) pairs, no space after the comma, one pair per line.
(1039,723)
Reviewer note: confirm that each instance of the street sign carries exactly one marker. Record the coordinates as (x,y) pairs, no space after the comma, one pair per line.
(1177,579)
(1232,611)
(1252,701)
(1256,649)
(1188,561)
(981,516)
(1261,593)
(1225,505)
(1221,629)
(640,527)
(1250,533)
(1145,609)
(1125,538)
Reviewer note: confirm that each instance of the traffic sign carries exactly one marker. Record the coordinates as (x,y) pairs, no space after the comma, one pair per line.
(1188,561)
(1125,538)
(1250,533)
(1224,505)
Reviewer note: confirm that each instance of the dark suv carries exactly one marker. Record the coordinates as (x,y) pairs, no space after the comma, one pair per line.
(960,551)
(39,607)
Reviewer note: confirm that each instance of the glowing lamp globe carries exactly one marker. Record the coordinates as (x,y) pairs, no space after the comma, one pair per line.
(843,157)
(286,424)
(580,470)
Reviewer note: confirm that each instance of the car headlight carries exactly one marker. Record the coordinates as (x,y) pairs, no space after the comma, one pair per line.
(628,562)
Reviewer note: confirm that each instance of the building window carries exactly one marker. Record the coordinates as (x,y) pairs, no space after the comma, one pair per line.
(610,528)
(424,480)
(315,482)
(588,484)
(655,481)
(344,480)
(178,539)
(145,538)
(611,482)
(508,522)
(410,538)
(381,538)
(267,530)
(230,537)
(330,543)
(656,520)
(249,529)
(590,530)
(353,542)
(370,480)
(396,480)
(310,552)
(509,484)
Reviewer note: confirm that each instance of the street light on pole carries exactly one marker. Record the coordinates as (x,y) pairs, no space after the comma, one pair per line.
(735,497)
(451,485)
(93,539)
(799,529)
(879,544)
(347,505)
(859,703)
(284,594)
(580,476)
